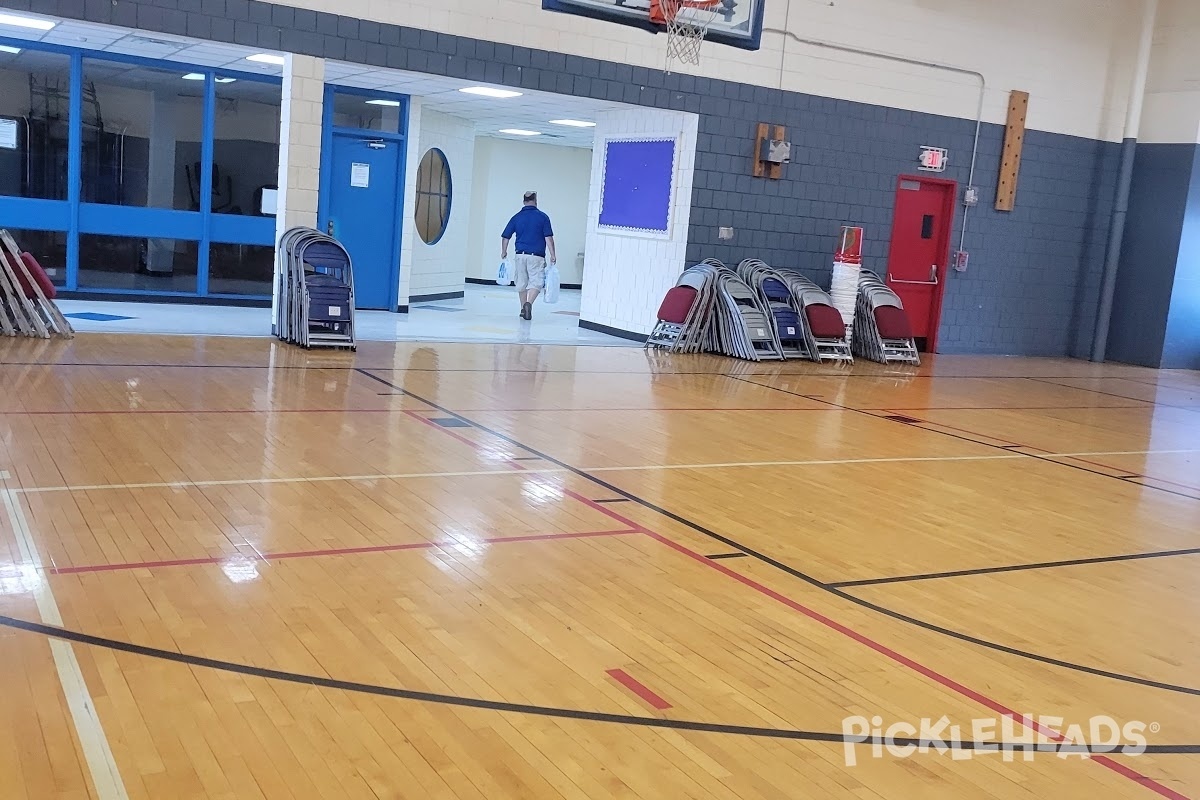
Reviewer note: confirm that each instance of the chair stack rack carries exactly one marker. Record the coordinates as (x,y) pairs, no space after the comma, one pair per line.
(27,295)
(316,291)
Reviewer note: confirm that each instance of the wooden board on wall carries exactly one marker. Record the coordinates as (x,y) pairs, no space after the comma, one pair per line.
(760,136)
(763,169)
(1014,143)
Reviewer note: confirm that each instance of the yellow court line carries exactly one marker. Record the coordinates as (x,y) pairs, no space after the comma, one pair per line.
(97,752)
(551,470)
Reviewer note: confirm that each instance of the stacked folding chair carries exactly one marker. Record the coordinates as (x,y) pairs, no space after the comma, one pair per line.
(881,328)
(685,316)
(742,328)
(823,326)
(782,307)
(316,291)
(27,296)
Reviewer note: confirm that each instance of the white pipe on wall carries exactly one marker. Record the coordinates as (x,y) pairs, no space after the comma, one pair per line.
(1116,231)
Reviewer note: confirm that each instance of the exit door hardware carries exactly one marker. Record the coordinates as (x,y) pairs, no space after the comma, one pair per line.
(933,278)
(377,144)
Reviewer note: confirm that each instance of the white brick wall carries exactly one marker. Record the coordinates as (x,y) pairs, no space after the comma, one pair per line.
(408,230)
(1073,56)
(440,267)
(299,147)
(626,275)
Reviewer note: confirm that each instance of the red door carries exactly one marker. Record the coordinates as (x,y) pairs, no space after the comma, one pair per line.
(920,251)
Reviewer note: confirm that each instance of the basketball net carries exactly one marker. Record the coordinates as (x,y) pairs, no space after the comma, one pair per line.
(686,23)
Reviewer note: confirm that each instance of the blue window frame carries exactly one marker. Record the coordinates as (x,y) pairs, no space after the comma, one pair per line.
(165,168)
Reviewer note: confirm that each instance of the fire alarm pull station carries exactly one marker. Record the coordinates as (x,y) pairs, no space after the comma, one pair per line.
(960,260)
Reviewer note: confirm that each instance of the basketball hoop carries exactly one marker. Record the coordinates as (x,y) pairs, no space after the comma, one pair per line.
(686,23)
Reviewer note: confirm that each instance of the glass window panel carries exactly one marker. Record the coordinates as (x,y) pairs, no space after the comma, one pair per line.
(366,113)
(245,145)
(49,248)
(35,89)
(141,136)
(240,269)
(137,264)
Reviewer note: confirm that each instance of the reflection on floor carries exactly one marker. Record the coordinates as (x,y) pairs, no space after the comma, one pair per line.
(486,314)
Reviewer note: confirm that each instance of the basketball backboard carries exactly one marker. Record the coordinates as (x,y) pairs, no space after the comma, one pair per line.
(738,23)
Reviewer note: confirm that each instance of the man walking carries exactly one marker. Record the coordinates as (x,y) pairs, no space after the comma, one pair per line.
(535,241)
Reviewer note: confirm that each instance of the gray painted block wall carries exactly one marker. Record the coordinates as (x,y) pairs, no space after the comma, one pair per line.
(1162,175)
(1033,282)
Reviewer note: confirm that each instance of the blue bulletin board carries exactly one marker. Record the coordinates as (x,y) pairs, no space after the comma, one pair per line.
(637,186)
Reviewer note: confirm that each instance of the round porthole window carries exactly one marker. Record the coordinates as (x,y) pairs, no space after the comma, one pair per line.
(433,196)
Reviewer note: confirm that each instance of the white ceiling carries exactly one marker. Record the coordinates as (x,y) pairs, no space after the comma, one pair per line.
(531,111)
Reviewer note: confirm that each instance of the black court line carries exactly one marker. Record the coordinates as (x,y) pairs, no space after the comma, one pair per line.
(525,458)
(549,711)
(719,556)
(922,423)
(809,579)
(613,500)
(1152,403)
(1074,562)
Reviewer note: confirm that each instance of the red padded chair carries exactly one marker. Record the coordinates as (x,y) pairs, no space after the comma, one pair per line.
(39,275)
(824,321)
(676,305)
(893,323)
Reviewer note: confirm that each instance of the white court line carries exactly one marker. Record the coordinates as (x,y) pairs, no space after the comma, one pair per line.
(552,470)
(96,750)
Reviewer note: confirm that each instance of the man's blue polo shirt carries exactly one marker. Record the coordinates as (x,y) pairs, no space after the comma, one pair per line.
(532,227)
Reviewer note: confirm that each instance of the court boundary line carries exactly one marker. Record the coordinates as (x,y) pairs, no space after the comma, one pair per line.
(518,469)
(445,544)
(921,425)
(1016,568)
(57,632)
(805,374)
(871,644)
(98,758)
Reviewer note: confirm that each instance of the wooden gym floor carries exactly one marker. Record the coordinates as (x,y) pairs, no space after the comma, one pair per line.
(232,569)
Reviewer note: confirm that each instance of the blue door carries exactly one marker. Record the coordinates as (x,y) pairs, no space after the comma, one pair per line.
(364,203)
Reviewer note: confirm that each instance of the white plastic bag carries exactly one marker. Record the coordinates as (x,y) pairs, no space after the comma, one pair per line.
(552,281)
(504,275)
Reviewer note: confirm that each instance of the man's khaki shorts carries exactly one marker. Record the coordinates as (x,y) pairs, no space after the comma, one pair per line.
(531,272)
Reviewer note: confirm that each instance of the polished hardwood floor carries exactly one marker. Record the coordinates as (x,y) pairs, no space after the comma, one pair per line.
(233,569)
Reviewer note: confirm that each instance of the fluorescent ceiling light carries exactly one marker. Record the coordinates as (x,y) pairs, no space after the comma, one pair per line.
(519,132)
(266,58)
(488,91)
(26,22)
(6,49)
(388,103)
(199,76)
(573,123)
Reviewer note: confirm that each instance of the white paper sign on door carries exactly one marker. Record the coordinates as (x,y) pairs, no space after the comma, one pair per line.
(8,134)
(360,175)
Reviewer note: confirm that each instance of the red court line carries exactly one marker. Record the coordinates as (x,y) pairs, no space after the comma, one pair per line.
(866,641)
(341,551)
(91,412)
(640,689)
